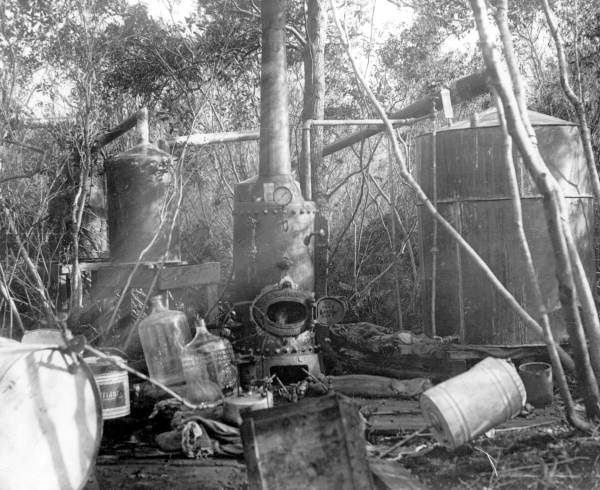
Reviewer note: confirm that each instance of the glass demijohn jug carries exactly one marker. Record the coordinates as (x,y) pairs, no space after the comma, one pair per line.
(217,354)
(163,334)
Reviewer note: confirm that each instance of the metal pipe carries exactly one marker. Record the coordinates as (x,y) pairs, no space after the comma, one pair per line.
(274,125)
(200,139)
(119,130)
(364,122)
(307,164)
(141,126)
(434,247)
(306,140)
(464,89)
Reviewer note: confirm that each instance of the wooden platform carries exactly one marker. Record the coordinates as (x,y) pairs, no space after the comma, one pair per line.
(152,469)
(108,277)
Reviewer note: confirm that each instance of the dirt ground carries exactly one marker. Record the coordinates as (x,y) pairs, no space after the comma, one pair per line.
(543,457)
(536,450)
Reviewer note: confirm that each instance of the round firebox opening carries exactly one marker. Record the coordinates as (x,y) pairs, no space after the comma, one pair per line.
(283,312)
(286,312)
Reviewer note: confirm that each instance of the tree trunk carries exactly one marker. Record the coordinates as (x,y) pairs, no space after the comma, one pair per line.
(314,108)
(531,274)
(553,207)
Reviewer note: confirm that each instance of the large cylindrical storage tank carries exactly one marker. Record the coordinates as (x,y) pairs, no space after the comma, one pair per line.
(139,183)
(473,194)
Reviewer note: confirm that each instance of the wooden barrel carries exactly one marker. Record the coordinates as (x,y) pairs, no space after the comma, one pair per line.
(50,419)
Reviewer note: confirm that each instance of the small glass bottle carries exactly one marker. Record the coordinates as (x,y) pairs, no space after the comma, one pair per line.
(217,353)
(163,334)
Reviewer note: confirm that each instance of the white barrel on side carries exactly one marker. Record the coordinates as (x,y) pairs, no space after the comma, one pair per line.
(50,419)
(466,406)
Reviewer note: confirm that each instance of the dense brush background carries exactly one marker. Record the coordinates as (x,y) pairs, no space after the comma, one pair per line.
(71,69)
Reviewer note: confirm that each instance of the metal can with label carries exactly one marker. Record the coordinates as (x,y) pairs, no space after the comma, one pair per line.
(113,385)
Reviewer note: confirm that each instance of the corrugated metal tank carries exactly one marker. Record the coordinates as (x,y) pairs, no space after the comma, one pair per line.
(138,183)
(473,194)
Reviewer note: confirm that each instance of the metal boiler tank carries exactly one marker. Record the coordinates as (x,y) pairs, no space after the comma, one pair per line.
(272,225)
(473,194)
(139,183)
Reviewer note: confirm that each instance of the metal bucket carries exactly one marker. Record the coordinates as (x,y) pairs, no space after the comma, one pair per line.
(113,385)
(537,378)
(235,406)
(50,421)
(472,403)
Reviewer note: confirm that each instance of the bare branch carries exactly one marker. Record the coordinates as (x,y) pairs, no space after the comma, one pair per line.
(553,206)
(575,101)
(532,277)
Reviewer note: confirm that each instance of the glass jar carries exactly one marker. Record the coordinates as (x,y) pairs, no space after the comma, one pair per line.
(200,387)
(163,334)
(217,354)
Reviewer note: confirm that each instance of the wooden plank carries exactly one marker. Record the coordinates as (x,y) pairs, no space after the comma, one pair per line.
(190,275)
(180,276)
(391,416)
(96,265)
(395,424)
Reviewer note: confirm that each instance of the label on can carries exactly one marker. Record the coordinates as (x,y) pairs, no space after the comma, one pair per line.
(114,393)
(113,385)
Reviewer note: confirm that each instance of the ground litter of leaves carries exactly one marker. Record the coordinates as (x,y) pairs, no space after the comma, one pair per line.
(529,457)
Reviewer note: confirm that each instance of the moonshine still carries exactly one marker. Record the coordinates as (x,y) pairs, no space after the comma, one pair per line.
(273,223)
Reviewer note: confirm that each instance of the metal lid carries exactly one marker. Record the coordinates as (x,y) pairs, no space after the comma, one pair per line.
(489,119)
(146,151)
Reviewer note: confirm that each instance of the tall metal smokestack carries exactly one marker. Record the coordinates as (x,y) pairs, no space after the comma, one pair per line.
(274,125)
(271,219)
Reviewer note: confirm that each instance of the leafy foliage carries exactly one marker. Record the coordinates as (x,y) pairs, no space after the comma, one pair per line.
(95,62)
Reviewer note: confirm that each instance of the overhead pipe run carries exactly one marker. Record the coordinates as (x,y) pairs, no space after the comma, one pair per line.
(201,139)
(306,139)
(136,120)
(462,90)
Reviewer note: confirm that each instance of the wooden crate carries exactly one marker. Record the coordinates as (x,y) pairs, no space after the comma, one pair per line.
(317,443)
